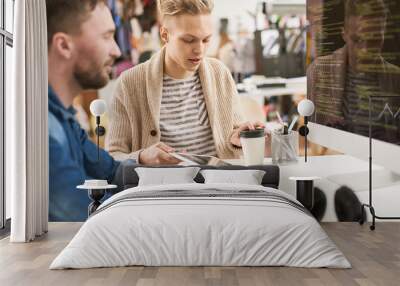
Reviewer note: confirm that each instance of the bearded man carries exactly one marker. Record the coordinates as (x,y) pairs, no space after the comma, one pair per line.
(81,51)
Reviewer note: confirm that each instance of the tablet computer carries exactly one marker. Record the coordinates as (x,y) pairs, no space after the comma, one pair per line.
(199,159)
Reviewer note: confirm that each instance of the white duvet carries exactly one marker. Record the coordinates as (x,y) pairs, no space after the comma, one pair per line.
(202,231)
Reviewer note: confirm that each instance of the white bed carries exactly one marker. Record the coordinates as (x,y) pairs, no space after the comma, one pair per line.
(201,225)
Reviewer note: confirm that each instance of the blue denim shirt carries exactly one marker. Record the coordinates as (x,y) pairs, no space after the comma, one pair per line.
(72,160)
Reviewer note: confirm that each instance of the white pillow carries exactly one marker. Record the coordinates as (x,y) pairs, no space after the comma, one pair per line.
(166,176)
(248,177)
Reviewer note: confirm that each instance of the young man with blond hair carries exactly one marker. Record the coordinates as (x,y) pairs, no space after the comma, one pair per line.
(179,100)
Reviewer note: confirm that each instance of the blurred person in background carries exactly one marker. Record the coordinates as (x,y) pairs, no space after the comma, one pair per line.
(245,64)
(226,50)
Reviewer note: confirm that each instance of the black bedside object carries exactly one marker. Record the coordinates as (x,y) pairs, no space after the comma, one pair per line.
(96,194)
(305,193)
(347,205)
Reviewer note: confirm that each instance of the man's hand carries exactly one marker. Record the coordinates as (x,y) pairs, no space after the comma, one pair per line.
(158,154)
(235,139)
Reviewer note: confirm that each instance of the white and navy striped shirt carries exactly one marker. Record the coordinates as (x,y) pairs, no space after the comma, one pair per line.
(184,122)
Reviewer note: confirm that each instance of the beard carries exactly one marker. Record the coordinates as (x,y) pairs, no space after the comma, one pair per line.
(92,77)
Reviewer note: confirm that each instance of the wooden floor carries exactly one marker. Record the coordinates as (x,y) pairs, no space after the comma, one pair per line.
(375,257)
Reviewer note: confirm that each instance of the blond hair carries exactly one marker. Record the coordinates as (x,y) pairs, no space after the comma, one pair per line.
(177,7)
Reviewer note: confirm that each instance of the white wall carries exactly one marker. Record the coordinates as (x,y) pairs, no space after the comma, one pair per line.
(235,9)
(384,154)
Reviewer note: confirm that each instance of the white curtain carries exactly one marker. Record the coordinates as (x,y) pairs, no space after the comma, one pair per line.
(27,134)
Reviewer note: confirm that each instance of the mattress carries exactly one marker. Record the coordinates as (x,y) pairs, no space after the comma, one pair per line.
(201,225)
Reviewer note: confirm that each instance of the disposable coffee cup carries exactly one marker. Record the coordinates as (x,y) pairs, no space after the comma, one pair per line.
(253,146)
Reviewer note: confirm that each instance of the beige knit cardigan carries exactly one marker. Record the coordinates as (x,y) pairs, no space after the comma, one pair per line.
(135,108)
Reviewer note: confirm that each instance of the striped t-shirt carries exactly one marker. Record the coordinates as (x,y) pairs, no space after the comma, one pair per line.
(184,122)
